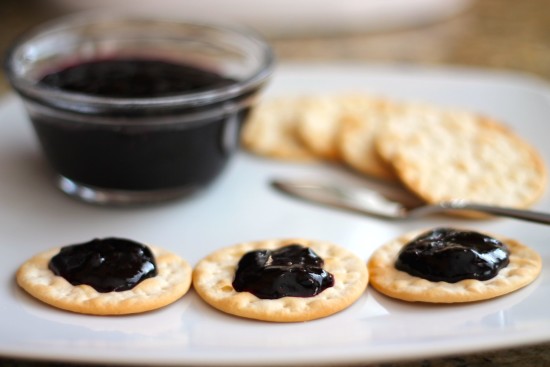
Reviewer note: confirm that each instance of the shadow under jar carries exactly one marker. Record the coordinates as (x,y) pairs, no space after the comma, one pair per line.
(133,110)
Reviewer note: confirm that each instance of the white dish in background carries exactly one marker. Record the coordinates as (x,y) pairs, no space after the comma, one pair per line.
(288,17)
(241,206)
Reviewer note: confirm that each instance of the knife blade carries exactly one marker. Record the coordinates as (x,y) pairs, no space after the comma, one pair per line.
(358,199)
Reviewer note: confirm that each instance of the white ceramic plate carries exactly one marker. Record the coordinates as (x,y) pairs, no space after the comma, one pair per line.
(241,206)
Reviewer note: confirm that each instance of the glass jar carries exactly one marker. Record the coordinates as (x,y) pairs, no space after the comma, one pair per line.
(121,149)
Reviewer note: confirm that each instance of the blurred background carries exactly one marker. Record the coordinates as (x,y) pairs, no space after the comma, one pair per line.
(508,35)
(504,34)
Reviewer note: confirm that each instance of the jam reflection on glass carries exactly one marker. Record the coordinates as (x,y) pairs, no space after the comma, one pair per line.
(107,265)
(450,255)
(293,270)
(122,155)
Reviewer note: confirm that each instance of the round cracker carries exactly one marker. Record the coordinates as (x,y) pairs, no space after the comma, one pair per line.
(271,129)
(320,123)
(356,140)
(172,282)
(213,277)
(524,267)
(447,154)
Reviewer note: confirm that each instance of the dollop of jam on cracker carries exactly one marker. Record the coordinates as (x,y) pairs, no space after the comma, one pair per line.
(107,265)
(450,255)
(293,270)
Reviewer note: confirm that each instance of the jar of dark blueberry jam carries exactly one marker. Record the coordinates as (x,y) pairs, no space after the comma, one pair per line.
(131,110)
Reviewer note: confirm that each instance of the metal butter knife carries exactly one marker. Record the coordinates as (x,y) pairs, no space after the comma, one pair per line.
(371,202)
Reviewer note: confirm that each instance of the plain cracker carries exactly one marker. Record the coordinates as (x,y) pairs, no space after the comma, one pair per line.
(213,277)
(447,154)
(320,123)
(171,283)
(357,136)
(524,267)
(270,130)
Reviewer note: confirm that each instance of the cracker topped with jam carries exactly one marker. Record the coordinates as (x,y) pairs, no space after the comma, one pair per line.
(286,280)
(110,276)
(447,265)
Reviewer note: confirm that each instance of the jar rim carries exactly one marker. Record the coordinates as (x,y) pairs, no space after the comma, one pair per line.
(39,92)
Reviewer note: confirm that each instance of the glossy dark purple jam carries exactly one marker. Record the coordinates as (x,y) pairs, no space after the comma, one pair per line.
(450,255)
(293,270)
(137,158)
(107,265)
(133,78)
(122,155)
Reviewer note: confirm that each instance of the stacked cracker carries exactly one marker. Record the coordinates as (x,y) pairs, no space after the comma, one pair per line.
(437,153)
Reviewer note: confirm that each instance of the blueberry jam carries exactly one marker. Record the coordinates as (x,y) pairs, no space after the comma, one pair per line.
(113,151)
(133,78)
(450,255)
(293,270)
(107,265)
